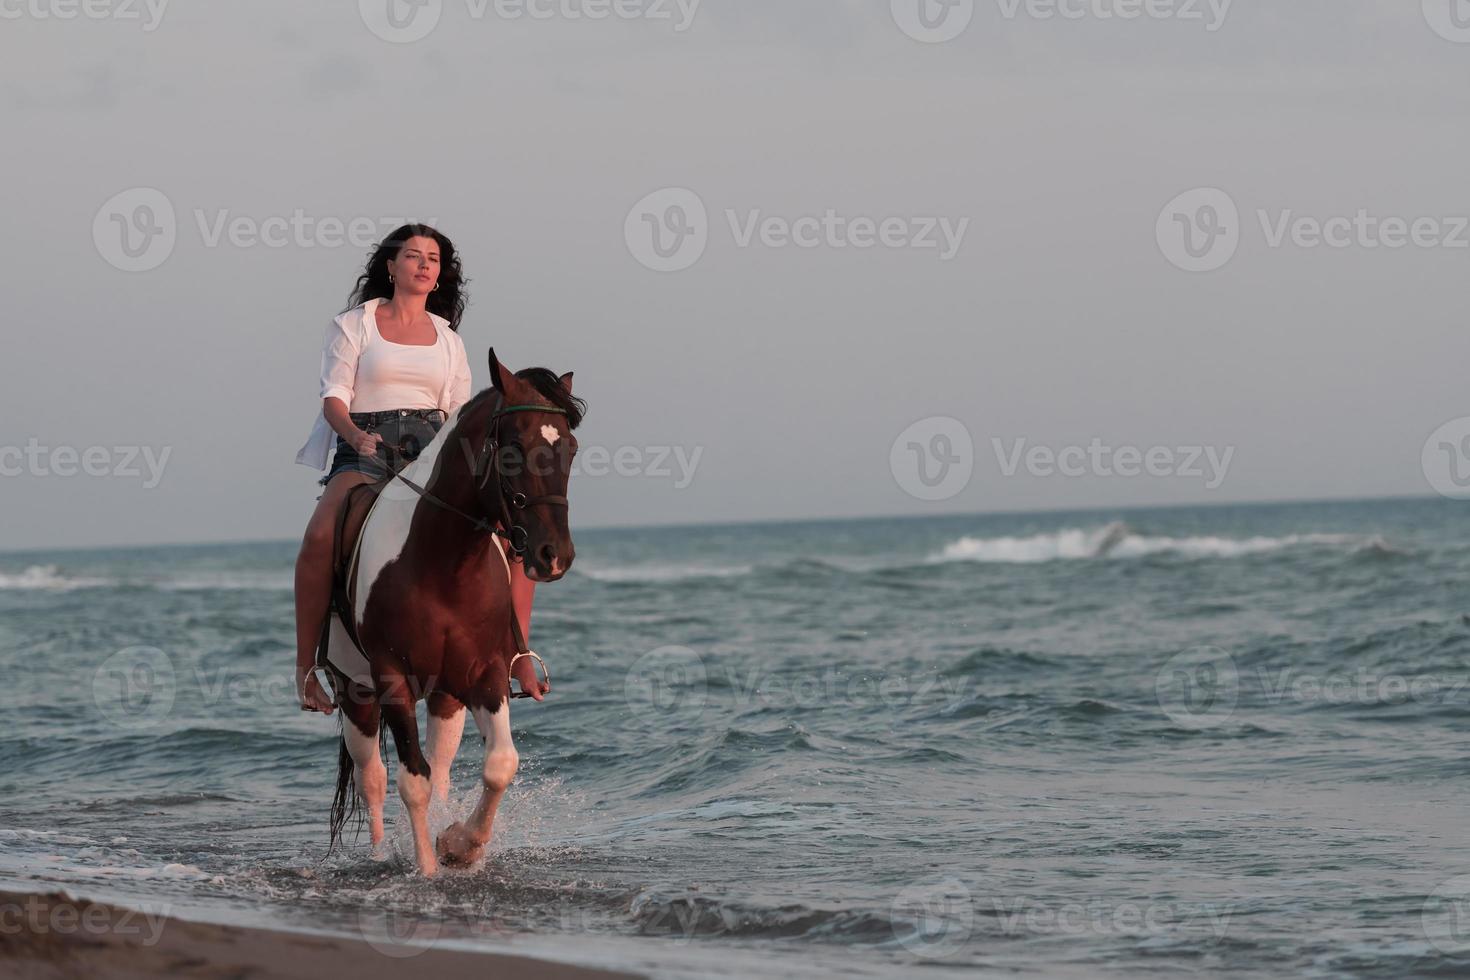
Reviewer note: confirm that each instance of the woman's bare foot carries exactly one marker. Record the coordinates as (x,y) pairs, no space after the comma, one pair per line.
(531,682)
(309,692)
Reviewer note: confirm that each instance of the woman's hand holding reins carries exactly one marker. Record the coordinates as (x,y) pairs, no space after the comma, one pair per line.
(366,443)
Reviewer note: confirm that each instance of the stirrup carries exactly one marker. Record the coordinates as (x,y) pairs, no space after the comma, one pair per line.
(545,673)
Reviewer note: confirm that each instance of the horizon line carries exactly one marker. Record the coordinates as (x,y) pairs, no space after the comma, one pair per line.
(755,522)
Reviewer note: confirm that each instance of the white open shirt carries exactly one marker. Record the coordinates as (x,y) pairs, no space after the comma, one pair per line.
(341,346)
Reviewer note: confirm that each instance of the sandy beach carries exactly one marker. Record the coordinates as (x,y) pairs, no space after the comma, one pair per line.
(51,935)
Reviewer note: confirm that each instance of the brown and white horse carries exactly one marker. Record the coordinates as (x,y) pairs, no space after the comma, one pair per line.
(429,590)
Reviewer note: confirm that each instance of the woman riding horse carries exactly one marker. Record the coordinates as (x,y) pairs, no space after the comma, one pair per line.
(393,365)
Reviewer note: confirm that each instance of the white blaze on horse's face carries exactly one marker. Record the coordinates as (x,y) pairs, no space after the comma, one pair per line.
(549,433)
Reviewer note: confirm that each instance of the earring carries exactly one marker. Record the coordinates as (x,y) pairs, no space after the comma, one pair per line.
(435,289)
(390,277)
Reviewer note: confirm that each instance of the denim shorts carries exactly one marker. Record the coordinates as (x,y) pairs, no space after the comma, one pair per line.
(408,430)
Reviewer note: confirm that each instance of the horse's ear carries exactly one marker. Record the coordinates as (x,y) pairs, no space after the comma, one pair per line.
(495,378)
(566,381)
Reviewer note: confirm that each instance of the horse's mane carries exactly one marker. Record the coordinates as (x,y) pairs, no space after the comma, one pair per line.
(547,384)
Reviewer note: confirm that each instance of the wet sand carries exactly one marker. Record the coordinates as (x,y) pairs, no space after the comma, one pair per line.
(50,935)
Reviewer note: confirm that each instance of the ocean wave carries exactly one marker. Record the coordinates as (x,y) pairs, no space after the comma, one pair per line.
(49,577)
(661,914)
(1118,540)
(661,572)
(232,581)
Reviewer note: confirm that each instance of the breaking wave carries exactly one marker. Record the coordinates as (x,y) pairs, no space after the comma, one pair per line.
(48,577)
(1118,540)
(51,578)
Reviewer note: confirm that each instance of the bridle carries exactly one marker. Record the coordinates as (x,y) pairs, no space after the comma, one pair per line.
(507,501)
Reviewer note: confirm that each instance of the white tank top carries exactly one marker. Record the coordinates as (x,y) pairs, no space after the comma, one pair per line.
(393,375)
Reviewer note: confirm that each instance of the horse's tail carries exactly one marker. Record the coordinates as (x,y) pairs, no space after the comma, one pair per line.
(344,802)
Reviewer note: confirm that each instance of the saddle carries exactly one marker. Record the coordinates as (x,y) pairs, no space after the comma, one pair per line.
(350,520)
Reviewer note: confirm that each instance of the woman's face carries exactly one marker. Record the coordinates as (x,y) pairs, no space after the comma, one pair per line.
(416,269)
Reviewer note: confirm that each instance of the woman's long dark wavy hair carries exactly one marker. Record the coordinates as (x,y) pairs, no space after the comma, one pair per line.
(447,301)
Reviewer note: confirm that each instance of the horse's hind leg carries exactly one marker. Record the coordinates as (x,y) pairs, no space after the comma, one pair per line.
(446,726)
(413,768)
(463,843)
(360,722)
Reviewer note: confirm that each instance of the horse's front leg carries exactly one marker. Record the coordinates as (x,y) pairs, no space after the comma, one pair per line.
(446,727)
(413,768)
(464,843)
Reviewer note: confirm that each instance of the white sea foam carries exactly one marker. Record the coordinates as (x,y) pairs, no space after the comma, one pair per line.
(661,573)
(1117,540)
(263,581)
(49,577)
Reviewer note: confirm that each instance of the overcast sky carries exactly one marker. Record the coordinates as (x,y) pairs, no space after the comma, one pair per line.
(1032,283)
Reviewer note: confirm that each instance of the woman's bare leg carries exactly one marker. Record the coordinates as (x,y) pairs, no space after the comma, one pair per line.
(314,585)
(522,595)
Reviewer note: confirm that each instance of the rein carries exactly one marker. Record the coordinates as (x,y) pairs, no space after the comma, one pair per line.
(506,498)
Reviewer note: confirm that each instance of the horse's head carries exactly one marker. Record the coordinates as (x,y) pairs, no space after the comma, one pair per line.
(529,428)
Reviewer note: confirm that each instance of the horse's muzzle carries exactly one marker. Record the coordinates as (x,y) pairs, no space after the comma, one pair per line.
(543,564)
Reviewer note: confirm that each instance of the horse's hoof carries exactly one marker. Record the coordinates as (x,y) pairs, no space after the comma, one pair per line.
(456,848)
